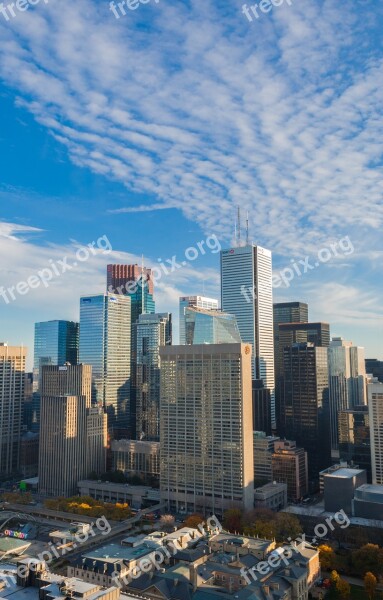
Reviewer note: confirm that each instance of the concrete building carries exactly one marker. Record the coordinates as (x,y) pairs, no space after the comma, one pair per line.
(271,495)
(368,502)
(303,414)
(339,488)
(193,302)
(137,496)
(56,343)
(151,332)
(12,379)
(375,405)
(135,457)
(105,344)
(347,387)
(289,465)
(137,283)
(73,433)
(263,446)
(29,454)
(247,293)
(206,428)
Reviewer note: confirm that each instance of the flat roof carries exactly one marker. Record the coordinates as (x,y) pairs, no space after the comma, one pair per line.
(371,488)
(7,544)
(117,552)
(345,473)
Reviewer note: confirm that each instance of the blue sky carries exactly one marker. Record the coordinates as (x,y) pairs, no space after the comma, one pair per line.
(152,128)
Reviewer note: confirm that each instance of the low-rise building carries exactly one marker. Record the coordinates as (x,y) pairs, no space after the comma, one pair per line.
(289,464)
(271,495)
(339,488)
(137,457)
(137,496)
(368,502)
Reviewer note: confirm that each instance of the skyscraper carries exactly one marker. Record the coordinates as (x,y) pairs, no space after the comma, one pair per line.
(56,343)
(287,312)
(203,326)
(136,282)
(246,292)
(354,438)
(374,367)
(12,377)
(375,406)
(105,330)
(73,432)
(304,403)
(152,332)
(206,428)
(190,302)
(347,383)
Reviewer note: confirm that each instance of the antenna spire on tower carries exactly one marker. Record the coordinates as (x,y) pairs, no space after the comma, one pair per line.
(239,226)
(247,228)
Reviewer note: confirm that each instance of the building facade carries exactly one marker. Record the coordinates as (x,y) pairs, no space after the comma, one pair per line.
(193,302)
(134,457)
(287,312)
(247,293)
(304,404)
(152,332)
(204,326)
(105,343)
(289,465)
(73,433)
(347,383)
(56,343)
(206,440)
(12,378)
(137,282)
(263,457)
(354,438)
(375,406)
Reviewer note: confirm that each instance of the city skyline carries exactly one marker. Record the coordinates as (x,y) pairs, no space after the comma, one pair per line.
(152,135)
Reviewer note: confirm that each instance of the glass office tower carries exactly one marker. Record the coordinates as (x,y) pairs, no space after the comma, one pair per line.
(247,293)
(210,327)
(56,343)
(105,329)
(193,301)
(152,332)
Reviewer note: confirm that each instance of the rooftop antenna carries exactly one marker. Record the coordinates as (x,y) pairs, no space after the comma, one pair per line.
(247,228)
(239,226)
(235,230)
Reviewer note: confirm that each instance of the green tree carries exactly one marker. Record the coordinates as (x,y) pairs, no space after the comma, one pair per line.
(370,583)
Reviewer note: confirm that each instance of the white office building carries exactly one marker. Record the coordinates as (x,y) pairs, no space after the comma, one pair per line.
(247,293)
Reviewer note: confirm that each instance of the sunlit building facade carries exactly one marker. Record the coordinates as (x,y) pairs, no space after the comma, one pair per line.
(206,441)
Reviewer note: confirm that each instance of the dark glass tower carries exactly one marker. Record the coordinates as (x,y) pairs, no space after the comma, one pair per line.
(56,343)
(304,404)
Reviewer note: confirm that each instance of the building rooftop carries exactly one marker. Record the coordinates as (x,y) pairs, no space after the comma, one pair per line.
(345,473)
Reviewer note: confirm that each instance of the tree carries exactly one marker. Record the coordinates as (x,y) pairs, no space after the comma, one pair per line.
(287,526)
(334,578)
(193,521)
(167,522)
(343,588)
(326,557)
(232,520)
(370,583)
(368,558)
